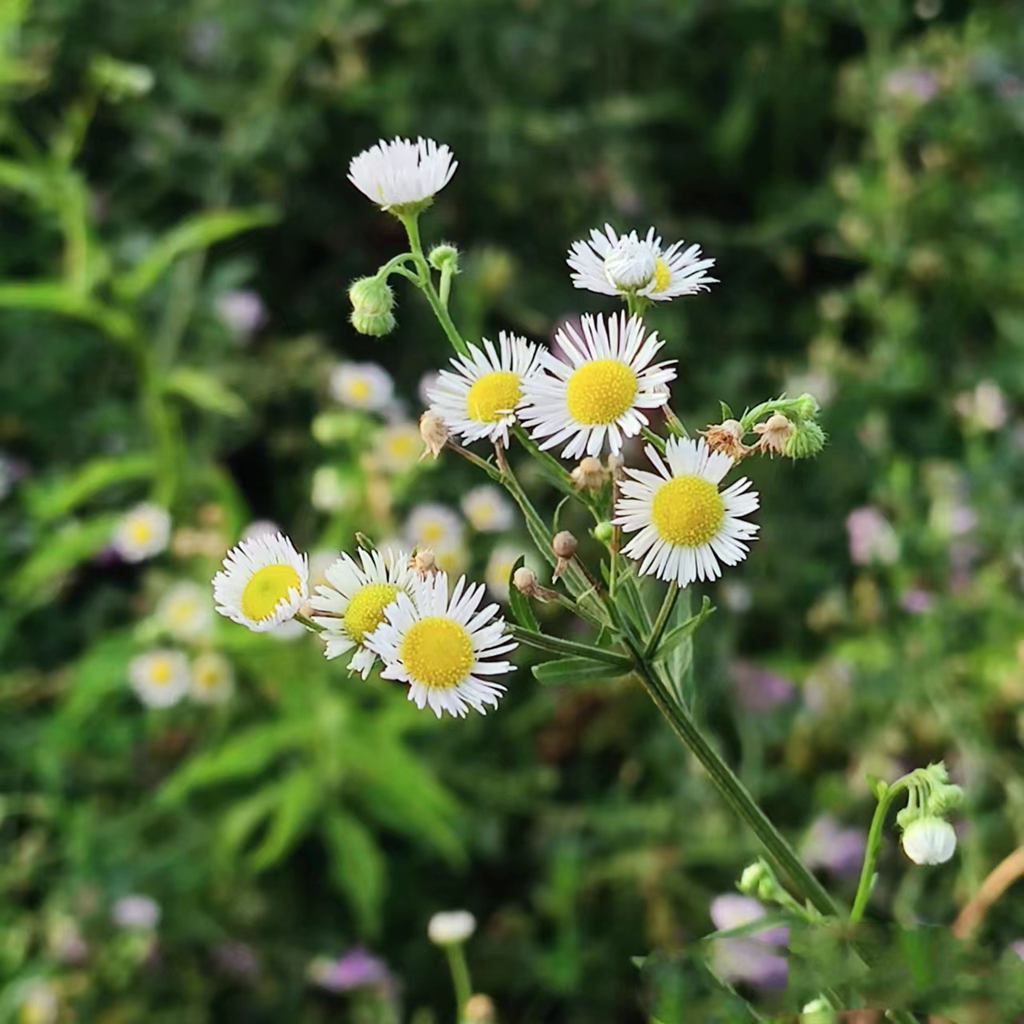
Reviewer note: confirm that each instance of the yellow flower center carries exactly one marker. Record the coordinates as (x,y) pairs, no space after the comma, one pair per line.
(438,652)
(404,446)
(431,533)
(687,511)
(359,389)
(365,612)
(600,392)
(662,275)
(140,532)
(493,396)
(160,672)
(268,587)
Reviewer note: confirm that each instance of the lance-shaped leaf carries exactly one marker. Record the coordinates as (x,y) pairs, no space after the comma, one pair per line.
(684,631)
(357,866)
(519,604)
(569,671)
(204,391)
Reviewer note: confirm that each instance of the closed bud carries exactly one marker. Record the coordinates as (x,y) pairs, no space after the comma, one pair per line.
(373,325)
(929,841)
(806,441)
(753,875)
(564,545)
(444,257)
(524,579)
(479,1010)
(373,303)
(603,532)
(589,475)
(806,407)
(434,432)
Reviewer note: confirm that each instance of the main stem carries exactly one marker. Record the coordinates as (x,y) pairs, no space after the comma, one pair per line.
(874,843)
(456,954)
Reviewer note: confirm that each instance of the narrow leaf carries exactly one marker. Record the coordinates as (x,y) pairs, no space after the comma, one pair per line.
(575,671)
(683,632)
(300,798)
(519,604)
(357,867)
(204,391)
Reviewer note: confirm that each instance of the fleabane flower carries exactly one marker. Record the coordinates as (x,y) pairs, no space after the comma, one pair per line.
(614,264)
(351,604)
(159,678)
(434,526)
(184,611)
(487,509)
(264,582)
(478,398)
(142,532)
(213,679)
(684,524)
(444,646)
(364,386)
(599,396)
(401,172)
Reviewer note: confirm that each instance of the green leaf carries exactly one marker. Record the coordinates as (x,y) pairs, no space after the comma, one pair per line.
(241,820)
(53,499)
(245,754)
(519,604)
(357,867)
(575,671)
(726,412)
(300,798)
(683,632)
(556,522)
(193,234)
(204,391)
(57,298)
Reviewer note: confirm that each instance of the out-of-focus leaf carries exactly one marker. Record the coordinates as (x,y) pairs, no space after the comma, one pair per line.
(53,499)
(300,798)
(241,820)
(574,671)
(100,674)
(357,866)
(57,298)
(195,233)
(519,604)
(204,391)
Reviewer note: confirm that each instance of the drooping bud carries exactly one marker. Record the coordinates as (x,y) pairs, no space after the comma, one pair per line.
(423,561)
(373,303)
(726,437)
(479,1010)
(774,433)
(589,475)
(564,546)
(806,441)
(444,256)
(434,432)
(929,840)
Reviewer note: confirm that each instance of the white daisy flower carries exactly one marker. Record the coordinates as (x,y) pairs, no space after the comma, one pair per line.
(351,604)
(365,386)
(332,490)
(449,927)
(397,447)
(614,264)
(443,646)
(596,399)
(142,532)
(487,509)
(499,569)
(213,679)
(264,582)
(160,678)
(185,612)
(684,525)
(480,397)
(401,172)
(434,526)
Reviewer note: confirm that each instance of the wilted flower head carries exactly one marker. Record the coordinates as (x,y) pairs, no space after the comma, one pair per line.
(590,475)
(448,927)
(726,437)
(773,434)
(434,433)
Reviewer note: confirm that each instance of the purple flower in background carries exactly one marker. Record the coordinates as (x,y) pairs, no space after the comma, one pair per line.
(871,537)
(242,312)
(917,601)
(836,849)
(356,969)
(237,959)
(136,912)
(759,689)
(1018,948)
(751,959)
(912,83)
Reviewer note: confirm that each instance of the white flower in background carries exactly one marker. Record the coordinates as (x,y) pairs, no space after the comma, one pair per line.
(213,679)
(319,562)
(351,604)
(160,678)
(428,382)
(397,447)
(39,1004)
(684,525)
(332,491)
(434,526)
(185,611)
(136,912)
(264,582)
(288,631)
(449,927)
(401,172)
(499,569)
(242,312)
(479,397)
(142,532)
(983,408)
(487,509)
(596,399)
(614,264)
(452,560)
(260,528)
(929,840)
(444,646)
(364,386)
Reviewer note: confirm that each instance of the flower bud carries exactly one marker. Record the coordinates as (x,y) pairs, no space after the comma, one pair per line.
(774,433)
(929,840)
(450,927)
(444,256)
(423,561)
(434,432)
(564,545)
(604,531)
(806,407)
(373,303)
(726,437)
(805,442)
(753,875)
(589,475)
(630,264)
(479,1010)
(524,579)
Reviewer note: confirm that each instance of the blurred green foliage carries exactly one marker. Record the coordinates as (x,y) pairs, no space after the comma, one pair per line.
(856,171)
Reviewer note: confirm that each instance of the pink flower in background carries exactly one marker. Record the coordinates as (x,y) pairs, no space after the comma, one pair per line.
(751,959)
(356,969)
(917,84)
(917,601)
(759,689)
(871,537)
(136,912)
(242,312)
(984,407)
(834,848)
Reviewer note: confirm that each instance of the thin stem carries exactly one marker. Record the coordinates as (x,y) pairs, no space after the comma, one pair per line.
(308,623)
(664,612)
(874,843)
(460,977)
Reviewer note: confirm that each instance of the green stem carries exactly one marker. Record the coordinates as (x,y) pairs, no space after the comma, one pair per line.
(664,612)
(460,978)
(874,843)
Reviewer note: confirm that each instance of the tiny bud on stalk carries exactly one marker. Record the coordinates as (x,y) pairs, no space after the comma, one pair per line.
(444,256)
(373,303)
(589,475)
(564,546)
(434,432)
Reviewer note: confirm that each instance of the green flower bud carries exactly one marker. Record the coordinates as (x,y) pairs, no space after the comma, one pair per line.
(371,296)
(603,532)
(806,407)
(752,877)
(444,257)
(805,442)
(375,325)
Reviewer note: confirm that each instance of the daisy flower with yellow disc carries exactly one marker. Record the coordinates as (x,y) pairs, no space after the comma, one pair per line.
(351,604)
(598,397)
(614,264)
(444,646)
(478,400)
(684,524)
(264,582)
